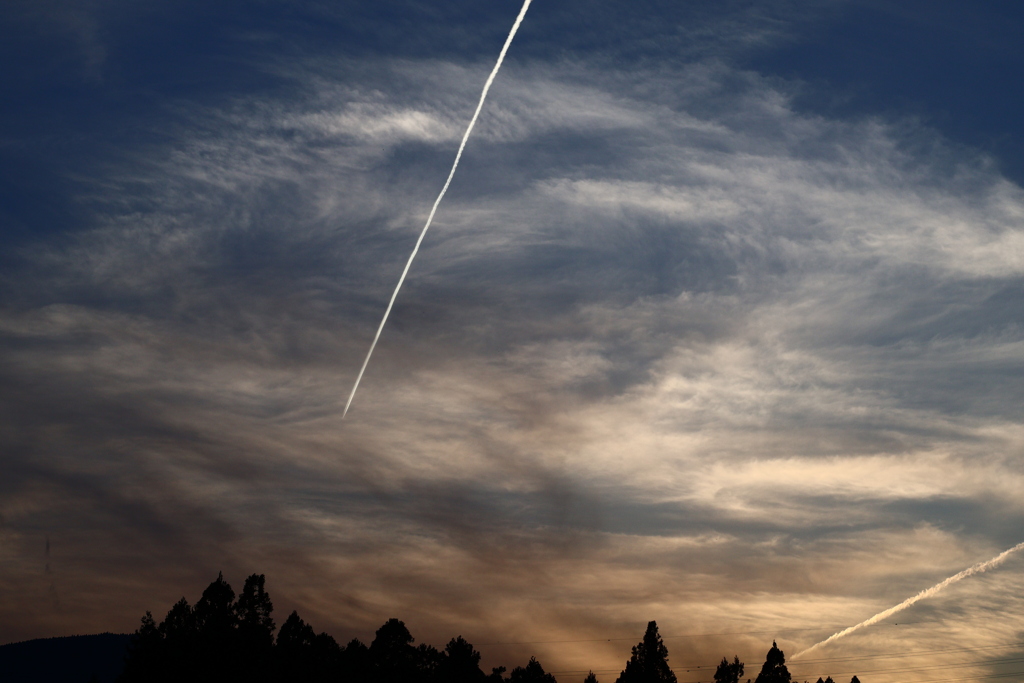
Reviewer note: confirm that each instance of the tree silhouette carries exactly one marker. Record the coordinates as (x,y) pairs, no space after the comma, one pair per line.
(215,612)
(533,672)
(296,635)
(729,672)
(355,662)
(325,659)
(175,652)
(294,649)
(303,655)
(192,643)
(394,658)
(255,635)
(179,622)
(144,651)
(774,668)
(254,610)
(460,663)
(649,661)
(227,640)
(215,622)
(427,661)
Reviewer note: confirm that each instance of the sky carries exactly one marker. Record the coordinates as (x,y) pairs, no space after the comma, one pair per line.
(718,325)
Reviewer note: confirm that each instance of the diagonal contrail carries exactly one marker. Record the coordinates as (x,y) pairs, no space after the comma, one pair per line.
(430,218)
(926,593)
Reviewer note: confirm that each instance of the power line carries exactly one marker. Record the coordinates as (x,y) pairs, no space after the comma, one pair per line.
(676,637)
(826,660)
(975,678)
(1014,660)
(1007,674)
(933,680)
(909,653)
(707,635)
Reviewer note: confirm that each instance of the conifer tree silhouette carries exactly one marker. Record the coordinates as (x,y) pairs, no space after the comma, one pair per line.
(294,649)
(255,631)
(179,625)
(179,644)
(254,610)
(460,663)
(533,672)
(144,651)
(225,640)
(394,658)
(649,661)
(774,668)
(427,661)
(303,656)
(192,643)
(295,634)
(355,663)
(215,623)
(729,672)
(215,612)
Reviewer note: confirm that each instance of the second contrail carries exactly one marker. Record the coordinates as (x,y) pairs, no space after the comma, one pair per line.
(926,593)
(430,218)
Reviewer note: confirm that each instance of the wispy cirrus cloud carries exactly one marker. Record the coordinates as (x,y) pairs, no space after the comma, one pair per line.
(673,351)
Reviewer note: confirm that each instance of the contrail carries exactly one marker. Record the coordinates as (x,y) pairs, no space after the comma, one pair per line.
(926,593)
(430,218)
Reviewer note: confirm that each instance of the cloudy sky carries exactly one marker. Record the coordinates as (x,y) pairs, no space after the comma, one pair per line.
(720,323)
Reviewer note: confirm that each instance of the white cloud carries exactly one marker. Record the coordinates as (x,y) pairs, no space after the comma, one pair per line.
(684,358)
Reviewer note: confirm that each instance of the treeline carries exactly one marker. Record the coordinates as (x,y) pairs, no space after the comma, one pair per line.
(228,638)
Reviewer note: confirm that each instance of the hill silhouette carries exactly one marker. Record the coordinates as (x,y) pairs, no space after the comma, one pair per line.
(71,659)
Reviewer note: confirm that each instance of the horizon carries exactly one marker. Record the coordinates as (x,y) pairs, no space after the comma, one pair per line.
(719,323)
(228,653)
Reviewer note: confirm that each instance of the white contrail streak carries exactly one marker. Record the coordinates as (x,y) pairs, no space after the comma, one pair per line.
(926,593)
(430,218)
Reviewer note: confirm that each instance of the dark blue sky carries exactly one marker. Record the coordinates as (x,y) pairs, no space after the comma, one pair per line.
(85,81)
(953,65)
